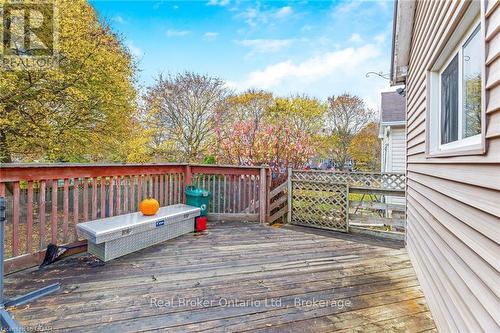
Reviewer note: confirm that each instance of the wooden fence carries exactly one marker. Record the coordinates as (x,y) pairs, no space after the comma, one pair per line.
(46,202)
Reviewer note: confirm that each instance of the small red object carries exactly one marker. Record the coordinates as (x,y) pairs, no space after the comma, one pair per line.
(200,223)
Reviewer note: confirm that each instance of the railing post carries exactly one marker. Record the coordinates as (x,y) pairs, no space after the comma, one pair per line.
(2,222)
(262,195)
(289,215)
(187,180)
(268,193)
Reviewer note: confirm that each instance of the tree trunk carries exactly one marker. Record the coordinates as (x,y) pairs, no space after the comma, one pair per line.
(5,155)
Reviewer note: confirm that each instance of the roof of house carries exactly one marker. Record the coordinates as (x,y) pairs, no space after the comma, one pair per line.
(393,107)
(404,12)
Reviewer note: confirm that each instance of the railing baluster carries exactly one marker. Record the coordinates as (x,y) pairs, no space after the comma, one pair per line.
(212,177)
(156,187)
(224,210)
(169,189)
(250,197)
(65,210)
(29,226)
(111,195)
(118,195)
(139,190)
(218,194)
(151,186)
(15,219)
(160,183)
(94,198)
(228,194)
(76,209)
(54,217)
(244,188)
(132,194)
(254,179)
(239,194)
(102,183)
(85,199)
(126,194)
(41,220)
(234,194)
(180,188)
(176,186)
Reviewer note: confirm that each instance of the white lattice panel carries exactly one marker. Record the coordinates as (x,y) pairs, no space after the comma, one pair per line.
(388,181)
(319,204)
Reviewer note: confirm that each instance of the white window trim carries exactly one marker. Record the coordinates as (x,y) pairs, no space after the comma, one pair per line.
(458,51)
(473,15)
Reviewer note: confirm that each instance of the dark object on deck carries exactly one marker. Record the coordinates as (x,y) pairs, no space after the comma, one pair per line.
(7,323)
(54,253)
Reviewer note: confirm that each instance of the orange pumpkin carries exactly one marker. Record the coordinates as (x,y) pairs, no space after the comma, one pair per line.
(149,206)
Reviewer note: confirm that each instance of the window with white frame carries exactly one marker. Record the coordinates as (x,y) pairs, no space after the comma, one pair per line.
(456,105)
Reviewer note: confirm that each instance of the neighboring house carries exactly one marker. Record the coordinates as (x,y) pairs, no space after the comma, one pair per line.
(392,132)
(447,53)
(393,136)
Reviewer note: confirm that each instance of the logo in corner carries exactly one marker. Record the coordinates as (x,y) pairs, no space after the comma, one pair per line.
(29,31)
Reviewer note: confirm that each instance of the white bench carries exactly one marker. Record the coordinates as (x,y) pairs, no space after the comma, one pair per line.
(115,236)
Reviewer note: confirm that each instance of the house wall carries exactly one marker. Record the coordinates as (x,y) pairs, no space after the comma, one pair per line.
(397,162)
(453,225)
(394,159)
(394,155)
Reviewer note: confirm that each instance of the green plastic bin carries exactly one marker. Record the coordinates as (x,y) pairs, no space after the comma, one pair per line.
(198,197)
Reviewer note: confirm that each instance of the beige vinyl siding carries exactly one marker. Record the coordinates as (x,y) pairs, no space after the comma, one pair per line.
(453,228)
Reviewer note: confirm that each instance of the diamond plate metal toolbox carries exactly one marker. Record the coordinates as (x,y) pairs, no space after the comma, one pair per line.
(115,236)
(121,246)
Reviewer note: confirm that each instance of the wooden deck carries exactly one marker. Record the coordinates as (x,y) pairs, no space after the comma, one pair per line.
(313,281)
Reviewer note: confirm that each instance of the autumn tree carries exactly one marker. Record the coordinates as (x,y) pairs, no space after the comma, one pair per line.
(365,148)
(346,116)
(237,127)
(80,110)
(279,132)
(186,105)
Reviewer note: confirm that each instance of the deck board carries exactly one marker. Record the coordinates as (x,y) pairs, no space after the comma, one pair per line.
(279,280)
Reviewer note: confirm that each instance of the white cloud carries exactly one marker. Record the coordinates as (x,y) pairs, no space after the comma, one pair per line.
(345,7)
(221,3)
(259,15)
(355,38)
(210,36)
(134,50)
(383,4)
(176,33)
(338,64)
(284,11)
(118,19)
(306,27)
(266,45)
(380,38)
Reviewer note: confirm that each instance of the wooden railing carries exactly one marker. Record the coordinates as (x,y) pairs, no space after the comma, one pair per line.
(46,202)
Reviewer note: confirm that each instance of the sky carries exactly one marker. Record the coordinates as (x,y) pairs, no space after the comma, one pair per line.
(318,48)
